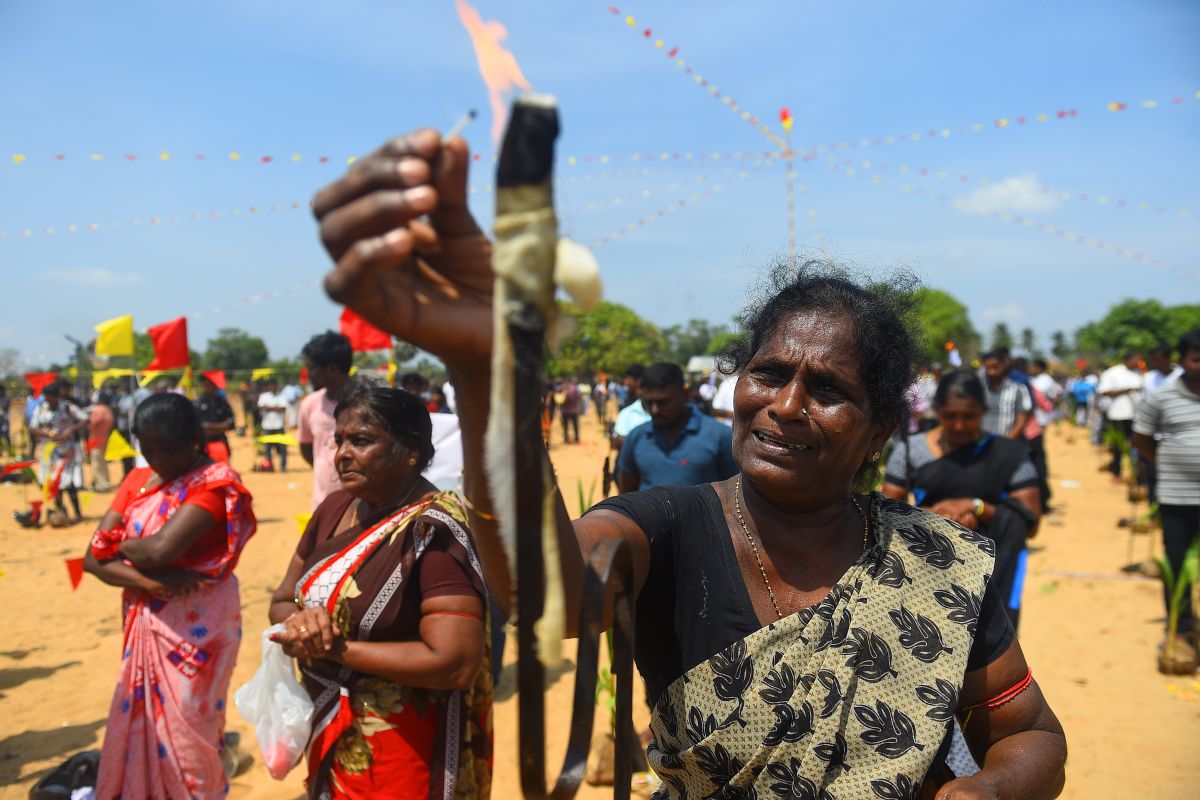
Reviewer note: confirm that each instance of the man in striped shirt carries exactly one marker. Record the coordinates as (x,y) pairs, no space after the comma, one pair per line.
(1009,402)
(1174,413)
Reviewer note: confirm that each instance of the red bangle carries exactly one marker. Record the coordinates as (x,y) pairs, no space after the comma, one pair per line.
(1008,695)
(457,614)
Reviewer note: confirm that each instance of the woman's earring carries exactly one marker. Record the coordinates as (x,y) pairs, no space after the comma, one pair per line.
(876,456)
(412,462)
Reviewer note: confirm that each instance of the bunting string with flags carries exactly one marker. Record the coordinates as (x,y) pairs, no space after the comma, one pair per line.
(851,167)
(157,219)
(26,159)
(646,164)
(726,100)
(731,177)
(1026,221)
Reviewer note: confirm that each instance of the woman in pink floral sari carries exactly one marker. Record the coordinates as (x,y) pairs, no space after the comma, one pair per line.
(171,540)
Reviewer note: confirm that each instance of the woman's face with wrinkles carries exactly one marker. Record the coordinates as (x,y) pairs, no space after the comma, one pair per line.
(802,418)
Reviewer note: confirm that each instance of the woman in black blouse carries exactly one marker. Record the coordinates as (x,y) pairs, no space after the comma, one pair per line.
(823,642)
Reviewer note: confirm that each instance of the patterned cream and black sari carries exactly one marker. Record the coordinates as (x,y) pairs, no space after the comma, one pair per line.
(851,698)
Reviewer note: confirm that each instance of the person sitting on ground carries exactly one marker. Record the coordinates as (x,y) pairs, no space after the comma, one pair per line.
(679,446)
(797,637)
(171,540)
(408,658)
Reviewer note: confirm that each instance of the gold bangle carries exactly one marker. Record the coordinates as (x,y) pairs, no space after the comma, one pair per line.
(478,511)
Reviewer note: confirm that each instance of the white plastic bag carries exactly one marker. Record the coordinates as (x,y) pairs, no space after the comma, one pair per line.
(275,703)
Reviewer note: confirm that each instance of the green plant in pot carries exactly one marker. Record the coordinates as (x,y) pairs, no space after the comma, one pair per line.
(1176,660)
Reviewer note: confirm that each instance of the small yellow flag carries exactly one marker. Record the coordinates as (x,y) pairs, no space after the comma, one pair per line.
(117,448)
(101,375)
(115,337)
(261,374)
(285,439)
(302,521)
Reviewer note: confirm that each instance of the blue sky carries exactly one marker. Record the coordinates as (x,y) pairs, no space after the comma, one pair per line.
(334,79)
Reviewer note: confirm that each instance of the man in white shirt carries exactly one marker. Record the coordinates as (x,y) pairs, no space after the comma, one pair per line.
(273,408)
(1121,384)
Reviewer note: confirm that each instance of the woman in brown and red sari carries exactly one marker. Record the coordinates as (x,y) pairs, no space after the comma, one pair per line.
(384,604)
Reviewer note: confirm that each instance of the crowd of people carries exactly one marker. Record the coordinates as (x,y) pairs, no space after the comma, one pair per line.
(828,548)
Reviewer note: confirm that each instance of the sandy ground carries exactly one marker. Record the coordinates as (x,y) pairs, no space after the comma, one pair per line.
(1089,633)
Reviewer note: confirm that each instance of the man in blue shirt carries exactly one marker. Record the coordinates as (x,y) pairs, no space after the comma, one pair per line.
(679,446)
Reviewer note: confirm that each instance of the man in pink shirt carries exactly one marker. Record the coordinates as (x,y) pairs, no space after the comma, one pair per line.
(328,358)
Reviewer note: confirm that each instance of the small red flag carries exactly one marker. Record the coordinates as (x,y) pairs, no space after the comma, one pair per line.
(217,376)
(363,335)
(40,380)
(304,376)
(16,466)
(75,571)
(170,345)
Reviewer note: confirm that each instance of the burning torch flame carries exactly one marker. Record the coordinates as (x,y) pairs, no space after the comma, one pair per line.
(497,66)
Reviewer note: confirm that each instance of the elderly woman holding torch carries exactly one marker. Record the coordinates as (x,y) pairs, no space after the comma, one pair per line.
(847,632)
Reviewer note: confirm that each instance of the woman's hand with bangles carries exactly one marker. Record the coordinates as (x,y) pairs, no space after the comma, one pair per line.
(311,633)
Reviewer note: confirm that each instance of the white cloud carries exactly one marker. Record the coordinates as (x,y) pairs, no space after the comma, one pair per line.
(92,277)
(1006,313)
(1020,193)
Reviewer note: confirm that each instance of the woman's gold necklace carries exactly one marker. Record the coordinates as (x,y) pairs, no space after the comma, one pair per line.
(737,507)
